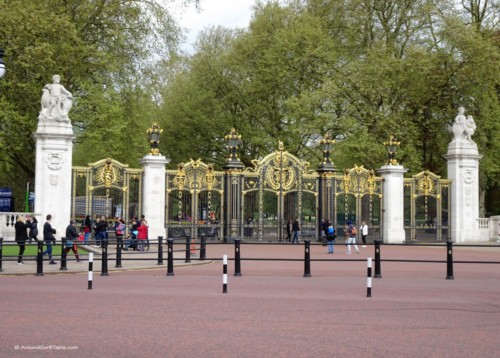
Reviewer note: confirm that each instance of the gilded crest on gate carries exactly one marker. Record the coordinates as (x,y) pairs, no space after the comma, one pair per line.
(107,174)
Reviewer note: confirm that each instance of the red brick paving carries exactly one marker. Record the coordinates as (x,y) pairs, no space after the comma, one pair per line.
(271,311)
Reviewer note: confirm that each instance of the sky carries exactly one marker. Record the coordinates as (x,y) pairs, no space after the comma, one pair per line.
(226,13)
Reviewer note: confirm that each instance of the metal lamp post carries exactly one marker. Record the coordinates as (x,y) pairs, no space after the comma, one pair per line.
(154,138)
(326,164)
(2,64)
(233,143)
(392,146)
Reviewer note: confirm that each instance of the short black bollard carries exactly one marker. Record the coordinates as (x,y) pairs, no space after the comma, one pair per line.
(224,274)
(104,258)
(307,258)
(160,250)
(369,277)
(119,247)
(188,249)
(64,254)
(39,258)
(170,258)
(1,253)
(449,260)
(91,270)
(203,248)
(237,258)
(377,259)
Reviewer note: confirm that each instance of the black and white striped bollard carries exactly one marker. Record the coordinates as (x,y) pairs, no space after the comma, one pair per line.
(369,278)
(224,274)
(91,267)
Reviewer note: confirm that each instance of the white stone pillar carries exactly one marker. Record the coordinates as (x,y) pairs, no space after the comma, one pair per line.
(54,150)
(393,203)
(463,171)
(153,198)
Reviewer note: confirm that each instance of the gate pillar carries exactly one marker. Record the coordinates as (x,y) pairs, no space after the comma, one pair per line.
(326,192)
(393,203)
(154,193)
(463,171)
(233,186)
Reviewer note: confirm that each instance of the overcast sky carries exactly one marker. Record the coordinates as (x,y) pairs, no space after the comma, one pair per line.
(227,13)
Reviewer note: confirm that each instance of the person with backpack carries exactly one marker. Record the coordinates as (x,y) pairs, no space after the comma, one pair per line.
(330,236)
(352,231)
(71,238)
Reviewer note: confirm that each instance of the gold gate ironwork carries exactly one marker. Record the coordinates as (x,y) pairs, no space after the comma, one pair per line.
(278,188)
(357,198)
(106,188)
(194,202)
(427,208)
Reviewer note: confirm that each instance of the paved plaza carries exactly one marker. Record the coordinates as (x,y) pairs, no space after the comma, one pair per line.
(270,311)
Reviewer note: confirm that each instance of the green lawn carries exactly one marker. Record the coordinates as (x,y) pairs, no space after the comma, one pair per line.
(31,250)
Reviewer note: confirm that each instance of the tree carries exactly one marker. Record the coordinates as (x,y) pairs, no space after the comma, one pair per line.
(105,51)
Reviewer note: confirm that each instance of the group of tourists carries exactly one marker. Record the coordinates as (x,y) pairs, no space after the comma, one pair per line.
(26,230)
(330,234)
(350,234)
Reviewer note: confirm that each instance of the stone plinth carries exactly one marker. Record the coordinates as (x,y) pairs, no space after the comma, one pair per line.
(154,194)
(463,171)
(54,149)
(393,203)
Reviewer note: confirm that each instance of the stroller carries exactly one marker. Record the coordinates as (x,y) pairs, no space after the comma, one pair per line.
(131,242)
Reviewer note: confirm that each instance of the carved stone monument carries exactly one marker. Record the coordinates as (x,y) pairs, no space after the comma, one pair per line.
(463,171)
(54,149)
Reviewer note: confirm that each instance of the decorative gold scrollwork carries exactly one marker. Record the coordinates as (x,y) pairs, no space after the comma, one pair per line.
(180,178)
(346,181)
(107,174)
(425,184)
(210,177)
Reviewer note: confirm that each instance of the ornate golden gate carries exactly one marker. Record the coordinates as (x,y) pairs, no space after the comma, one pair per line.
(358,197)
(106,188)
(194,202)
(427,208)
(278,188)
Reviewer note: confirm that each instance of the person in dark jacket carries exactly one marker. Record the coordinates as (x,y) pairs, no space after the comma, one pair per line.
(32,224)
(324,228)
(49,238)
(21,237)
(71,237)
(87,229)
(295,229)
(101,231)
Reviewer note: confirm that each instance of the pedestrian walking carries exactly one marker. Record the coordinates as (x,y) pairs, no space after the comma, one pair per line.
(21,237)
(71,238)
(145,222)
(32,224)
(331,235)
(102,231)
(49,238)
(87,229)
(295,229)
(289,225)
(324,230)
(352,231)
(142,234)
(364,232)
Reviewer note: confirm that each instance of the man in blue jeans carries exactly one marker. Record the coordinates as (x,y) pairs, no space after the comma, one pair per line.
(49,238)
(295,229)
(102,231)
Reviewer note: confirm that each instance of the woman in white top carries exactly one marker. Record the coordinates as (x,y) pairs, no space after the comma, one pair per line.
(364,232)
